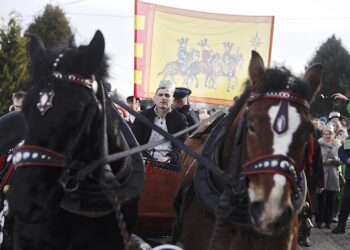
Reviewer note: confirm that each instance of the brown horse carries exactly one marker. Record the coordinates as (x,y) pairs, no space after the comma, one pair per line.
(252,200)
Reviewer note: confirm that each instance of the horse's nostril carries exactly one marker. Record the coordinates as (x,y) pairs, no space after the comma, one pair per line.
(256,209)
(283,219)
(35,213)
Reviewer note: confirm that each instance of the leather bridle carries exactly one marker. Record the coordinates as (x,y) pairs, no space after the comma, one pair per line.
(34,155)
(277,163)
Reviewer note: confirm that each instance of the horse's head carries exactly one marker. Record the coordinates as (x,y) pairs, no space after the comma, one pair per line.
(276,114)
(63,114)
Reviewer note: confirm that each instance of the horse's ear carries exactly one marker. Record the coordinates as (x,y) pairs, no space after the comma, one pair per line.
(96,51)
(36,47)
(256,68)
(313,77)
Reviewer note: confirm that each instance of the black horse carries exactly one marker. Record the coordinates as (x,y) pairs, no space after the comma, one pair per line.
(57,198)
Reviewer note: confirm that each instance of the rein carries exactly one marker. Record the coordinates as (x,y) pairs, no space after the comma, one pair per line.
(81,174)
(202,160)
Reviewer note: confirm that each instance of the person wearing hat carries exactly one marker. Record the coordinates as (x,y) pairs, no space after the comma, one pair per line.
(342,98)
(17,101)
(163,116)
(331,162)
(182,105)
(135,104)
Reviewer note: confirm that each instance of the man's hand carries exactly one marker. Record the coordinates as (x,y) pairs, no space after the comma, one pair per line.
(340,97)
(165,159)
(348,161)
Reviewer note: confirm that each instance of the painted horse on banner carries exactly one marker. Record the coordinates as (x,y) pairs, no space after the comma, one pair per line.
(252,200)
(58,200)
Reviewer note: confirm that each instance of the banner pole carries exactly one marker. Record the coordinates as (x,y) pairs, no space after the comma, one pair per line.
(135,41)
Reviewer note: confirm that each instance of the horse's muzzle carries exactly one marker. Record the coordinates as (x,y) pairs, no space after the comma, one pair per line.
(269,225)
(33,213)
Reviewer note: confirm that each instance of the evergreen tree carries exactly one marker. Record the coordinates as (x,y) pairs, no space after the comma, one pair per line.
(52,27)
(13,62)
(336,77)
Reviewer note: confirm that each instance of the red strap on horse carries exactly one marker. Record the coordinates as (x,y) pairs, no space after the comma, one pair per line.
(310,155)
(6,177)
(3,159)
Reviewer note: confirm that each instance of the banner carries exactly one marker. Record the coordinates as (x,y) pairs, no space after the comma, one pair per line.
(208,53)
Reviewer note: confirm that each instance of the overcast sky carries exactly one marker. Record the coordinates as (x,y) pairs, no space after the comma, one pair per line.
(301,26)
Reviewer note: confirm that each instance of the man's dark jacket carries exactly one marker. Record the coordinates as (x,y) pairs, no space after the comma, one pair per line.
(190,115)
(175,122)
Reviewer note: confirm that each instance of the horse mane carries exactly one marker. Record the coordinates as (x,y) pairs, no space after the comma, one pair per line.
(235,109)
(276,79)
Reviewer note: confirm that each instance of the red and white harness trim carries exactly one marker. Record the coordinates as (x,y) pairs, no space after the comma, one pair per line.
(30,155)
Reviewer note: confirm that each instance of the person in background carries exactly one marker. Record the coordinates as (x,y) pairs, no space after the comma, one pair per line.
(344,122)
(334,119)
(344,154)
(17,101)
(317,125)
(135,104)
(326,199)
(315,183)
(234,101)
(163,116)
(203,114)
(108,88)
(324,121)
(182,105)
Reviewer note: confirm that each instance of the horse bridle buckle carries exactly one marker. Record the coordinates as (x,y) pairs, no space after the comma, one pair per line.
(68,182)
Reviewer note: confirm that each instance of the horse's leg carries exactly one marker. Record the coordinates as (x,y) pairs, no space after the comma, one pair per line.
(196,81)
(235,81)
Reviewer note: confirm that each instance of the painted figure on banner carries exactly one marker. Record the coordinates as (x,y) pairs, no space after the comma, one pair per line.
(211,66)
(178,67)
(191,62)
(230,64)
(194,68)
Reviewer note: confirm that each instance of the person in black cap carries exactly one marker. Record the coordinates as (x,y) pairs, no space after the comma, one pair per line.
(182,105)
(135,104)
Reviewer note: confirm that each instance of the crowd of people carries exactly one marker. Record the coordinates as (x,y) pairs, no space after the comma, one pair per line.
(328,176)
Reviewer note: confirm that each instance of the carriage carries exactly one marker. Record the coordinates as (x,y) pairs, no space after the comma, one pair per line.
(242,181)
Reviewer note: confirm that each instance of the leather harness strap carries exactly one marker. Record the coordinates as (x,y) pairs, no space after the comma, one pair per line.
(29,155)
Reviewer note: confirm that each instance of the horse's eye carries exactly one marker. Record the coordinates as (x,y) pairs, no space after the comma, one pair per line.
(251,129)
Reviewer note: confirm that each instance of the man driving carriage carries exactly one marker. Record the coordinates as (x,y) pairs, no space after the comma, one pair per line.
(162,115)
